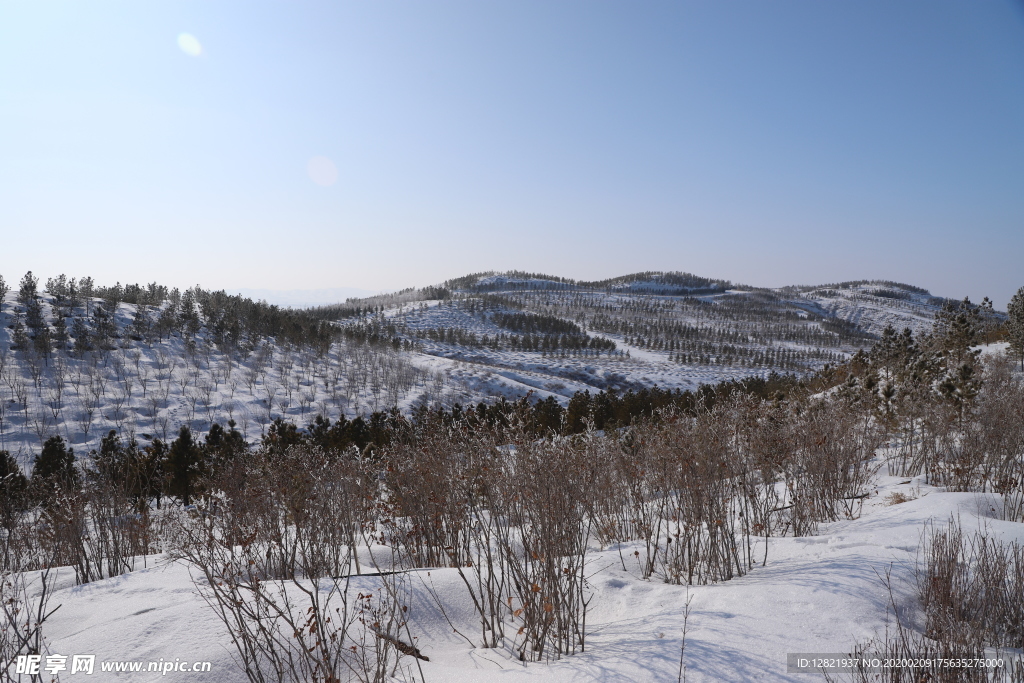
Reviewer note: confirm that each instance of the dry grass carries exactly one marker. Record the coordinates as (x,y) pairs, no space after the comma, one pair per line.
(897,497)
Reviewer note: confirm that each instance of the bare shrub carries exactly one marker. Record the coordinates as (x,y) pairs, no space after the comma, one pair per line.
(972,587)
(120,527)
(977,447)
(276,549)
(697,481)
(971,590)
(430,496)
(831,469)
(24,609)
(510,513)
(544,487)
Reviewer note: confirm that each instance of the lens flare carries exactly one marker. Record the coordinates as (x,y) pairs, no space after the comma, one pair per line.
(322,171)
(189,44)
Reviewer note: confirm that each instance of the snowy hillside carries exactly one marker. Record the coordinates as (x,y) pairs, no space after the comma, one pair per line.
(145,385)
(139,362)
(647,536)
(668,329)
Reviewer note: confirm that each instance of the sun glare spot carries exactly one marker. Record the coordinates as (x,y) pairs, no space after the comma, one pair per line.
(322,171)
(189,44)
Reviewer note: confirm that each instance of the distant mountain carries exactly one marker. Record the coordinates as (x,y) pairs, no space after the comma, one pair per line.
(304,298)
(555,336)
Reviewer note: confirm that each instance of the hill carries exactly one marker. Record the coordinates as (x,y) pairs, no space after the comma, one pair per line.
(78,359)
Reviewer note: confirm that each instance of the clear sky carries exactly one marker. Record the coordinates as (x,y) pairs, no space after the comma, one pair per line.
(304,145)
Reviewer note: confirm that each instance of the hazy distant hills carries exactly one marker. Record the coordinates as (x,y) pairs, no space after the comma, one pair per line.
(303,298)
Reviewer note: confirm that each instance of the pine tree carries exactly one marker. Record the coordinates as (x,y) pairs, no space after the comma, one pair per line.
(139,327)
(1015,324)
(3,291)
(55,466)
(85,288)
(74,294)
(43,342)
(28,289)
(34,316)
(958,327)
(13,488)
(990,323)
(153,464)
(113,296)
(83,337)
(104,330)
(123,465)
(60,331)
(58,288)
(224,446)
(185,466)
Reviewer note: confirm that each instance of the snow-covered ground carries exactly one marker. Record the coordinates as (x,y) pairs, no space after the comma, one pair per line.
(819,593)
(667,335)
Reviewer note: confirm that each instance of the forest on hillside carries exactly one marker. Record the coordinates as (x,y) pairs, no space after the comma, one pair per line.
(515,497)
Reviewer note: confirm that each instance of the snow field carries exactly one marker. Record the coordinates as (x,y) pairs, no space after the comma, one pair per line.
(818,593)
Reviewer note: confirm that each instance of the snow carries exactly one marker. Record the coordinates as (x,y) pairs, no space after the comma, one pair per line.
(820,593)
(815,594)
(296,385)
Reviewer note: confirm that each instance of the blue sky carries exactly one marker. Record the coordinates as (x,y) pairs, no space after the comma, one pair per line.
(768,143)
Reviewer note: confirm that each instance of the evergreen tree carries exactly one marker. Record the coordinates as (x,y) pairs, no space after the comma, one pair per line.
(19,337)
(990,323)
(3,291)
(60,332)
(85,288)
(54,467)
(185,466)
(141,324)
(34,316)
(112,297)
(83,337)
(112,461)
(958,326)
(124,466)
(104,329)
(28,289)
(43,342)
(58,287)
(28,297)
(167,320)
(188,318)
(1015,324)
(13,490)
(223,446)
(74,294)
(154,461)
